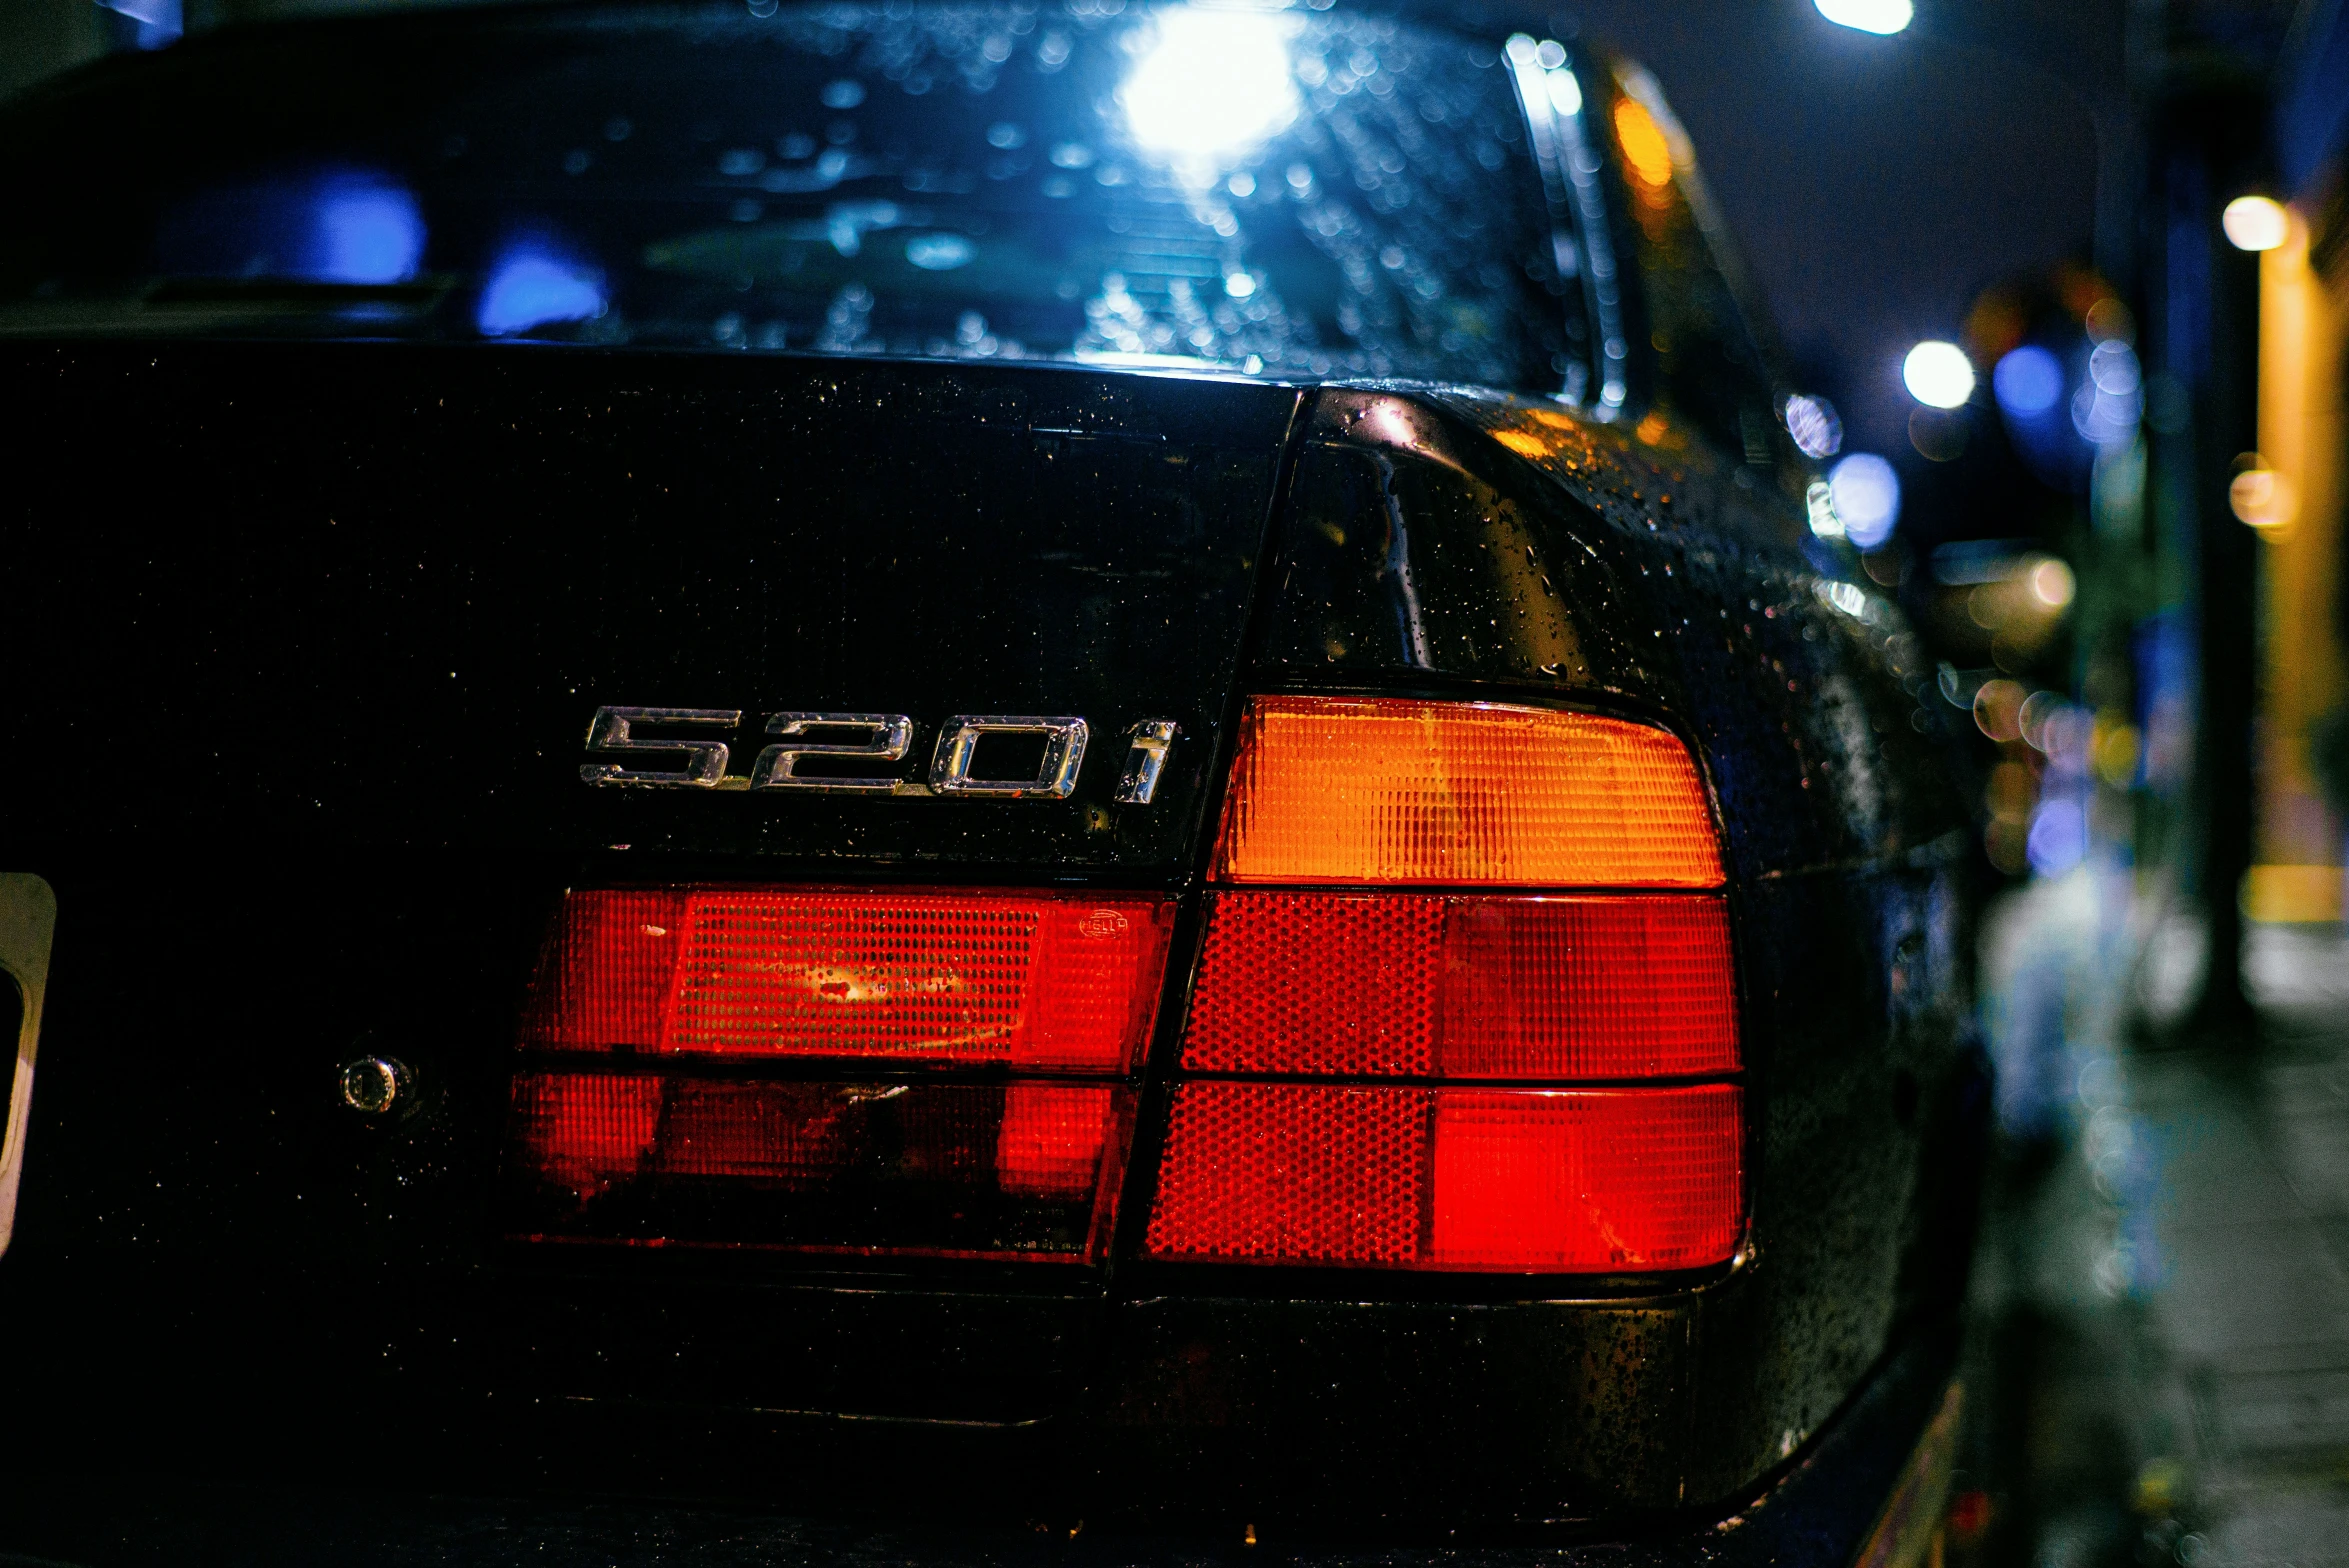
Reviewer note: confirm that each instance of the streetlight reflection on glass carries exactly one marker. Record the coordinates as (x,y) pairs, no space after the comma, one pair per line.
(1211,82)
(1869,16)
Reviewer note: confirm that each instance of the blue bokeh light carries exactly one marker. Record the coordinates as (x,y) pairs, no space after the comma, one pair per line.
(531,286)
(2028,382)
(365,232)
(1866,493)
(939,252)
(2058,839)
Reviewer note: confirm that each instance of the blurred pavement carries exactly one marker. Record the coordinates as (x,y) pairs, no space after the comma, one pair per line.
(2160,1372)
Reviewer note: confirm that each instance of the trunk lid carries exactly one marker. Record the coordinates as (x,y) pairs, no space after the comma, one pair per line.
(304,647)
(351,595)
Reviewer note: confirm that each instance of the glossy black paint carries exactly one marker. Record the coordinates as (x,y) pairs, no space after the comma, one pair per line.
(336,633)
(322,851)
(294,727)
(335,595)
(1818,1511)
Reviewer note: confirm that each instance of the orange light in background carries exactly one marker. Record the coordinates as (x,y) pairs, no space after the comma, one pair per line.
(1643,144)
(2264,498)
(2291,492)
(1998,709)
(2109,321)
(2293,895)
(1365,790)
(1995,327)
(2114,748)
(2052,583)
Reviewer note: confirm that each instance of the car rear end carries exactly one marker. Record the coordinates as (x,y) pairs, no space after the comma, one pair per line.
(1056,947)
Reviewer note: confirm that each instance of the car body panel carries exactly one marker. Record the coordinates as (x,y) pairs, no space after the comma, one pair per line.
(298,737)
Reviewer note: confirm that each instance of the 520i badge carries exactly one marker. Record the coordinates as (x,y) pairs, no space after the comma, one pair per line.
(874,738)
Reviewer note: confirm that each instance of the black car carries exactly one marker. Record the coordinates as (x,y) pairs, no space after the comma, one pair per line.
(945,782)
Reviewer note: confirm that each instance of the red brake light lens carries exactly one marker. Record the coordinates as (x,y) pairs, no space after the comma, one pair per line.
(931,1169)
(1362,970)
(1424,985)
(1521,1180)
(947,982)
(1045,981)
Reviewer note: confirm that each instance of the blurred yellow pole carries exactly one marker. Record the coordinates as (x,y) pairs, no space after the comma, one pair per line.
(2300,437)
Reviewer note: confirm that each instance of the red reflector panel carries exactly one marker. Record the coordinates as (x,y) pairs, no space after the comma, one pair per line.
(1517,1180)
(1273,1173)
(1358,789)
(1421,985)
(1060,982)
(937,1169)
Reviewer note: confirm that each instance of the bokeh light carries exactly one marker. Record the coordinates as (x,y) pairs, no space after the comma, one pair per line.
(2109,404)
(1882,17)
(939,252)
(1866,495)
(1645,148)
(2263,498)
(531,286)
(1938,374)
(1211,82)
(2027,382)
(1998,708)
(2255,222)
(1816,427)
(2052,583)
(368,233)
(1819,502)
(2059,837)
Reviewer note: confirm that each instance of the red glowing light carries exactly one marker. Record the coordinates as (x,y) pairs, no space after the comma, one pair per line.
(1418,985)
(1508,1180)
(1050,981)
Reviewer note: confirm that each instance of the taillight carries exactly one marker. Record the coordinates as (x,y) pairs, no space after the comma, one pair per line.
(928,1071)
(1428,986)
(1464,1066)
(937,977)
(1367,790)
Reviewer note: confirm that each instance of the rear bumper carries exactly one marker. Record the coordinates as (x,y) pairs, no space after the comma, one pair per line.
(1824,1510)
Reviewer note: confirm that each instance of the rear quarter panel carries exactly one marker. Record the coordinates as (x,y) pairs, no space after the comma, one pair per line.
(1464,542)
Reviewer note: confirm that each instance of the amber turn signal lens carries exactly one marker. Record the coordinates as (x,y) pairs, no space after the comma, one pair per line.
(1375,790)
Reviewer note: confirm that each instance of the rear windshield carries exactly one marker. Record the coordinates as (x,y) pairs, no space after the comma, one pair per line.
(1292,194)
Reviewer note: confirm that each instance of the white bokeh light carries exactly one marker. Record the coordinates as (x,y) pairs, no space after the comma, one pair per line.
(1211,82)
(2256,223)
(1938,375)
(1866,493)
(1816,427)
(1869,16)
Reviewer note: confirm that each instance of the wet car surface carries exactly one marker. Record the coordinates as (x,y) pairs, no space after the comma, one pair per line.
(604,568)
